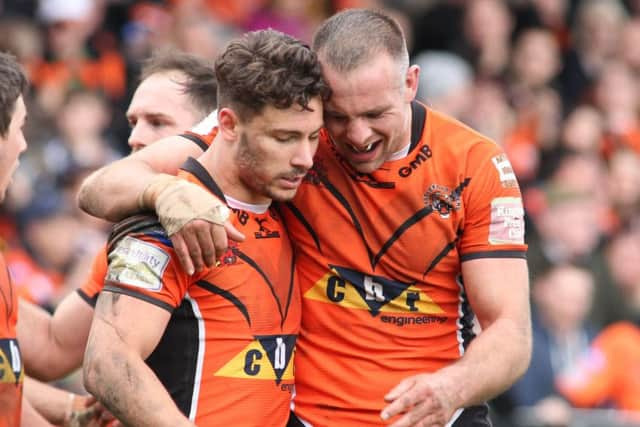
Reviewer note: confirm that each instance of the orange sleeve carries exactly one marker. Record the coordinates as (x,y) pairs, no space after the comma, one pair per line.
(147,268)
(92,287)
(494,215)
(592,379)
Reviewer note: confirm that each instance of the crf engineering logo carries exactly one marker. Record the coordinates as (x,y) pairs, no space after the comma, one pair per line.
(268,357)
(353,289)
(442,200)
(424,154)
(264,232)
(10,362)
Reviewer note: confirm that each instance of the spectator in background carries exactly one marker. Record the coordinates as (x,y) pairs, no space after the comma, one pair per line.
(596,39)
(487,27)
(629,47)
(530,88)
(608,374)
(617,98)
(568,228)
(561,334)
(623,262)
(446,81)
(623,188)
(77,57)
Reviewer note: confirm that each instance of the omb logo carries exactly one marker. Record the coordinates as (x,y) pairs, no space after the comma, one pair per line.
(423,155)
(442,200)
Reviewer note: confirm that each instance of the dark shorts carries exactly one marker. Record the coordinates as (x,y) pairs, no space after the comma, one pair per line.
(473,416)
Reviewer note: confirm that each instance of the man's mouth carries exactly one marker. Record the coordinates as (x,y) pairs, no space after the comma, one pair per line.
(364,149)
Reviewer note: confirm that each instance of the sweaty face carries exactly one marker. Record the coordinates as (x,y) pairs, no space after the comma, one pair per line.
(369,113)
(276,150)
(159,108)
(11,145)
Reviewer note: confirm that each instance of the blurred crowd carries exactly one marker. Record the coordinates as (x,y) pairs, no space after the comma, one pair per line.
(555,82)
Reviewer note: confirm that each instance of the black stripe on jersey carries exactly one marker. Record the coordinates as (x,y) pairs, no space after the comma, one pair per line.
(494,254)
(193,138)
(296,212)
(334,191)
(143,297)
(467,316)
(256,267)
(443,252)
(175,358)
(226,295)
(418,119)
(413,219)
(195,168)
(290,292)
(278,208)
(86,298)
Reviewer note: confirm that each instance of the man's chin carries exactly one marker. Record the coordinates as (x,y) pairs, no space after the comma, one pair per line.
(366,167)
(282,195)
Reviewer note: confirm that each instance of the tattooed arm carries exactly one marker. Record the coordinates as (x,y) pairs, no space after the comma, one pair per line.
(124,332)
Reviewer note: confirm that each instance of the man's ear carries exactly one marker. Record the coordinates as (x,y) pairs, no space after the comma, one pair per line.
(228,124)
(411,82)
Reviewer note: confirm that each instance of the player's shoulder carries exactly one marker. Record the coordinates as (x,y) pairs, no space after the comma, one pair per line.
(142,227)
(449,135)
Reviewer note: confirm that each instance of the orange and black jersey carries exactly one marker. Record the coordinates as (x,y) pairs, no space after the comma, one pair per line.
(226,356)
(11,370)
(90,290)
(379,263)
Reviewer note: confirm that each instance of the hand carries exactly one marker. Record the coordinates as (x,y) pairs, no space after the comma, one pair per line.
(200,243)
(424,399)
(86,411)
(195,220)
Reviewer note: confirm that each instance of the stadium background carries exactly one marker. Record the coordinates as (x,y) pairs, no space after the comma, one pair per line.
(555,82)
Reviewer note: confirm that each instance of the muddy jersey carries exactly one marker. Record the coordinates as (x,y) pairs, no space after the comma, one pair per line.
(11,370)
(379,264)
(226,356)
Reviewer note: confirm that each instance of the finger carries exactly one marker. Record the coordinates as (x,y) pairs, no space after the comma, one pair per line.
(220,241)
(233,233)
(401,388)
(206,243)
(421,414)
(181,250)
(193,249)
(402,403)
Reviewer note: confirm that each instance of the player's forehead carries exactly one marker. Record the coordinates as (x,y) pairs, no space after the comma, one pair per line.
(160,92)
(373,85)
(293,119)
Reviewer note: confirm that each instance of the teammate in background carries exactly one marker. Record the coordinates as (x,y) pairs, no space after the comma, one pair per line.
(408,225)
(176,91)
(219,343)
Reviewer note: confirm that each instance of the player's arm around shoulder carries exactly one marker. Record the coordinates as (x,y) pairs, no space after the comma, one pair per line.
(128,323)
(112,191)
